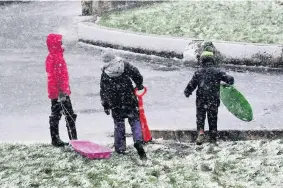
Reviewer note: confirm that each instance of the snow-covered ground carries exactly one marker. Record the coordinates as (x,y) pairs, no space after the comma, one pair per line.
(257,164)
(245,21)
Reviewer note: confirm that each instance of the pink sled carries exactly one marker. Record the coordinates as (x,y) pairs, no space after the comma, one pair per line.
(91,150)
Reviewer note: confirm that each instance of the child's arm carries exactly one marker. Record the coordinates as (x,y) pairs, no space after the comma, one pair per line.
(61,75)
(103,93)
(192,85)
(134,74)
(227,78)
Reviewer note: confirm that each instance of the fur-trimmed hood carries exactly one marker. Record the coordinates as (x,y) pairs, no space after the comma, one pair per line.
(114,68)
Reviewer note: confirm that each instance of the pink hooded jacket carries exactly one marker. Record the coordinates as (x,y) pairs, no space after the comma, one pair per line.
(56,67)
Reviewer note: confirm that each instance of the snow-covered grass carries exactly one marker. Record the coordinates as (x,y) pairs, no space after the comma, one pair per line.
(230,164)
(248,21)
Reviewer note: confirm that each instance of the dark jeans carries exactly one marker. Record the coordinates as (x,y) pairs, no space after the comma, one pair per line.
(207,107)
(119,116)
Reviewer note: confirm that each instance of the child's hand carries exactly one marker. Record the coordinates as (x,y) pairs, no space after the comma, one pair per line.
(107,111)
(187,94)
(62,97)
(140,87)
(225,85)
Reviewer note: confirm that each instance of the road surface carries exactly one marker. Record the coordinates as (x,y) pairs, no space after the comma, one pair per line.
(24,107)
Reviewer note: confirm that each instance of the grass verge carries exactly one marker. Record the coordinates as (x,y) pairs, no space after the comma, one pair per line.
(246,21)
(230,164)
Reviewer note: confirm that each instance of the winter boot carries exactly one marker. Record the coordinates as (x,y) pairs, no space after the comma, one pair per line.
(71,126)
(122,152)
(120,137)
(54,131)
(200,138)
(141,152)
(212,137)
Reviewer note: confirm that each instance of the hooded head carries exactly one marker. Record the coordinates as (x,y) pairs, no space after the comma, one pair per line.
(113,66)
(54,43)
(107,57)
(207,58)
(207,44)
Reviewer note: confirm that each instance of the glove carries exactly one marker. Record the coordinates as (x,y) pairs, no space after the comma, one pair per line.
(225,85)
(62,97)
(105,105)
(140,87)
(107,111)
(187,95)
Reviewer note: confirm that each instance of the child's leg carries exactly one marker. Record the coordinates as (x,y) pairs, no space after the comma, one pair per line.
(201,115)
(137,133)
(54,123)
(212,119)
(136,129)
(56,108)
(119,135)
(70,118)
(212,115)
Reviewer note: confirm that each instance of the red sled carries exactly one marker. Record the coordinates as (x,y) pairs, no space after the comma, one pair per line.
(145,130)
(91,150)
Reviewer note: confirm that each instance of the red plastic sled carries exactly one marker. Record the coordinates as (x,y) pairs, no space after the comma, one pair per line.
(145,130)
(91,150)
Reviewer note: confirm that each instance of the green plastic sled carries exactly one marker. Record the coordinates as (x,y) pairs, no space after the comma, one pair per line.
(236,103)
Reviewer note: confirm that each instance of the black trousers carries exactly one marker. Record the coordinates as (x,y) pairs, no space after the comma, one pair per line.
(209,108)
(66,108)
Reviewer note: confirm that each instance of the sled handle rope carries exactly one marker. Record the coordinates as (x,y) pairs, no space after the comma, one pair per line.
(142,94)
(65,110)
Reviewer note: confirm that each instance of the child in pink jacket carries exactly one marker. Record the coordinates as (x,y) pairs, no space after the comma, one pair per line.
(59,90)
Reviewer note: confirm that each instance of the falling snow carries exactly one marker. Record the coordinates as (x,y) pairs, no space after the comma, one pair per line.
(25,108)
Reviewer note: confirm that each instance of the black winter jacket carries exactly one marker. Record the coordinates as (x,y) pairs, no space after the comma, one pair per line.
(116,88)
(207,81)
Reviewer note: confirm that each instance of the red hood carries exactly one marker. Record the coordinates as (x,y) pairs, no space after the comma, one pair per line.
(54,43)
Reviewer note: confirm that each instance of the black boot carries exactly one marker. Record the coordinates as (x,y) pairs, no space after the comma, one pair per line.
(54,131)
(71,126)
(141,152)
(213,137)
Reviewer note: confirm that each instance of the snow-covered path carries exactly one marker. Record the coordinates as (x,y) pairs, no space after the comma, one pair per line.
(24,107)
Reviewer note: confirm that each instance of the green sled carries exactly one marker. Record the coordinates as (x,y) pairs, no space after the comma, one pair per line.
(236,103)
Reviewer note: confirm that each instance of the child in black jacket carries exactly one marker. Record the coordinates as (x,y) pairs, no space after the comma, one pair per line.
(117,95)
(207,81)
